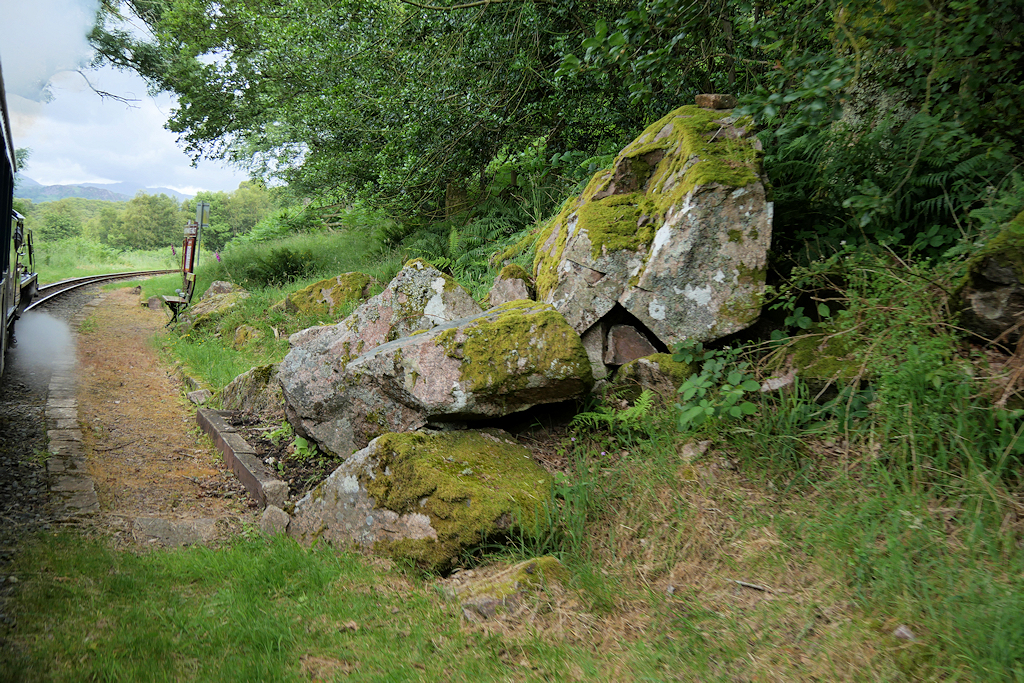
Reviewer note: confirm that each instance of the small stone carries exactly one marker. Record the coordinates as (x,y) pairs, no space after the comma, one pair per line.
(903,632)
(199,397)
(626,343)
(274,521)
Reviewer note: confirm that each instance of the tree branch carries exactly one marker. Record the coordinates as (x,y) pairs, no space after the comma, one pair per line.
(104,93)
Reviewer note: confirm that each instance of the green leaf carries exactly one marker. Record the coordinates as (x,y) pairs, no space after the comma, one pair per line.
(824,311)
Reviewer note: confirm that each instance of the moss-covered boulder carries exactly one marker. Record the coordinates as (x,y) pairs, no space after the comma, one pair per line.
(327,296)
(657,373)
(426,497)
(511,358)
(512,284)
(255,391)
(418,298)
(211,308)
(992,295)
(676,232)
(486,592)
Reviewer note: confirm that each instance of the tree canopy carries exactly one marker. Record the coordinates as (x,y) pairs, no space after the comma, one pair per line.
(887,114)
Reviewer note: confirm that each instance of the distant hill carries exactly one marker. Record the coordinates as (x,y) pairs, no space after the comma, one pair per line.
(51,193)
(130,190)
(110,192)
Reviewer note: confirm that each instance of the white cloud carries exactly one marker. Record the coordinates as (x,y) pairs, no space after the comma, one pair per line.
(78,136)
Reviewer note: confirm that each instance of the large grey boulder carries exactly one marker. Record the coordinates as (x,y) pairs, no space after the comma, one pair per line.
(992,296)
(425,497)
(419,298)
(508,359)
(676,232)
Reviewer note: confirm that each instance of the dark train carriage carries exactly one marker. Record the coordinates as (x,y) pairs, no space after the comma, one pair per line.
(17,271)
(7,304)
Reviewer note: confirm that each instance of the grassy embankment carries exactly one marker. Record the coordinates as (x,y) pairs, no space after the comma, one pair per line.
(895,502)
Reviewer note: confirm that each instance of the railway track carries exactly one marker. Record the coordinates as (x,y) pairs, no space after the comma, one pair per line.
(48,292)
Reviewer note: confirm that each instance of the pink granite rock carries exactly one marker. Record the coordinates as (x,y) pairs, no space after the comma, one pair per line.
(506,360)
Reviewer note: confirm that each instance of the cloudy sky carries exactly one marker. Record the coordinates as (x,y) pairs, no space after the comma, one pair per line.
(77,136)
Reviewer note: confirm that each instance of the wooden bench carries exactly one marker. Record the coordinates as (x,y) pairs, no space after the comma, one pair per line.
(176,304)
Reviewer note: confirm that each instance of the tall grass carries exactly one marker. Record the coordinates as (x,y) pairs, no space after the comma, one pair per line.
(79,257)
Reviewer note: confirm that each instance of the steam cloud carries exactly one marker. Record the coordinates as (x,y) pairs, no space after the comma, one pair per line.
(42,38)
(42,341)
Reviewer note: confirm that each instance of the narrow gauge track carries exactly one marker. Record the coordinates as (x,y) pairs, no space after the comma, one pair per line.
(48,292)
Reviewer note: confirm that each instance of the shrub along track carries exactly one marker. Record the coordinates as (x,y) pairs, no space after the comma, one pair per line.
(144,451)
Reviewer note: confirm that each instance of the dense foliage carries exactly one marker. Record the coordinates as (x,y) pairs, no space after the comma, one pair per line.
(889,121)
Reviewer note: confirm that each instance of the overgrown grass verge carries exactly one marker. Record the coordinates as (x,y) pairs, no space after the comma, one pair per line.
(782,536)
(79,257)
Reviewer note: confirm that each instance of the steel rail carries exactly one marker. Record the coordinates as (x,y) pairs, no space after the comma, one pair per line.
(58,288)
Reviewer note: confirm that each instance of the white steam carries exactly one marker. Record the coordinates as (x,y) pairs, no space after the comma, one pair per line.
(43,341)
(42,38)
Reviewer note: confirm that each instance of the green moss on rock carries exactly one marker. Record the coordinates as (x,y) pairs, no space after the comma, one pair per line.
(525,338)
(1006,249)
(472,485)
(514,271)
(328,295)
(664,378)
(695,153)
(824,357)
(514,581)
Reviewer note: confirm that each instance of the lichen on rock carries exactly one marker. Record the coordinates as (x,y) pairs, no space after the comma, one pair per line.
(255,391)
(676,232)
(508,359)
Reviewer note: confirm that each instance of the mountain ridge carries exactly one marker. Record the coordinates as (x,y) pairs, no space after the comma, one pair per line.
(27,188)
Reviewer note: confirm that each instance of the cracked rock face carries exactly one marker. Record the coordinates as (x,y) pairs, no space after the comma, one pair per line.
(676,232)
(508,359)
(425,497)
(419,298)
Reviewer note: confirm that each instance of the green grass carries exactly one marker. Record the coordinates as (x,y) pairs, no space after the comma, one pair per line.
(250,611)
(80,257)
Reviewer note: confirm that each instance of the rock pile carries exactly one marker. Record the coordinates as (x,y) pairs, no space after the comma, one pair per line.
(669,244)
(492,364)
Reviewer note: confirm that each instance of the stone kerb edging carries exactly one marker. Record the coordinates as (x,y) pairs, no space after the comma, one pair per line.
(257,478)
(70,482)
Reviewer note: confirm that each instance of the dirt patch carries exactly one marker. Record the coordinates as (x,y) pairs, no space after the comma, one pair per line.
(144,450)
(303,467)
